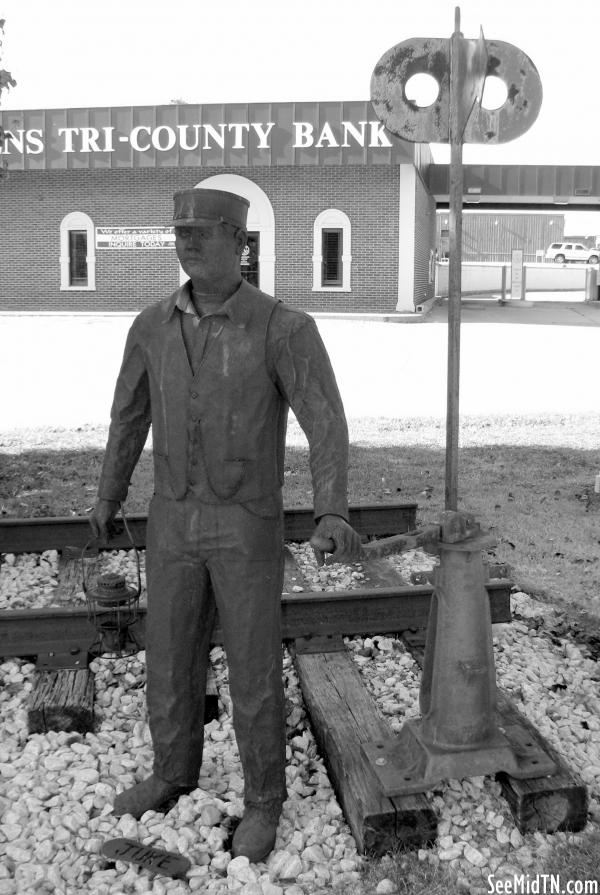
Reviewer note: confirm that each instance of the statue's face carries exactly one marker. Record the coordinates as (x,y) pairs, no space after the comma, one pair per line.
(208,252)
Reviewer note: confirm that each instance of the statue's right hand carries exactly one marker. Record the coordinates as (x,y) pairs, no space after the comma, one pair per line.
(101,519)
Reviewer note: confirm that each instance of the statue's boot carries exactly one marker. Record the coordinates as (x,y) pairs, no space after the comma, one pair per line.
(149,795)
(255,836)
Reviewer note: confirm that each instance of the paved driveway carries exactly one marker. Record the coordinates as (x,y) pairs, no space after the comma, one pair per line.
(59,370)
(514,360)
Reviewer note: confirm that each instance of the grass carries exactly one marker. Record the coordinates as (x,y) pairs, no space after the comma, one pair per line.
(411,876)
(574,859)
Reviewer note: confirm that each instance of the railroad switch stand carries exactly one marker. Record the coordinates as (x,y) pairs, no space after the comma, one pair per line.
(458,734)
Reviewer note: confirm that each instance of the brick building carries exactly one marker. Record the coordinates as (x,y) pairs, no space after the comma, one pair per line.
(340,218)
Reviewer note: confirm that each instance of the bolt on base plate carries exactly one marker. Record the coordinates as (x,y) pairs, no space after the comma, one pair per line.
(408,764)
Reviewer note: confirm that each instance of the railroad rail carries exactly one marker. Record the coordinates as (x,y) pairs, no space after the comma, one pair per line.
(55,533)
(386,604)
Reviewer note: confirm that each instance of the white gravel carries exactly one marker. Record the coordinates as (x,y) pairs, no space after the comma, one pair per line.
(30,580)
(56,790)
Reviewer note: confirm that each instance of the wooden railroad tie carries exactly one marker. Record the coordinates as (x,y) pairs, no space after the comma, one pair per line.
(550,804)
(343,715)
(62,700)
(63,693)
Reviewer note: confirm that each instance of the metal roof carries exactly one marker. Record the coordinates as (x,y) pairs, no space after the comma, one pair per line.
(527,186)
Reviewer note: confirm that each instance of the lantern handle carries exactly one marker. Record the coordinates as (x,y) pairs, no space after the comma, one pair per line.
(135,550)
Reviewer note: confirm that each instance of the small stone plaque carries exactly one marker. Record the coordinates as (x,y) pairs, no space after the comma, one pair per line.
(155,859)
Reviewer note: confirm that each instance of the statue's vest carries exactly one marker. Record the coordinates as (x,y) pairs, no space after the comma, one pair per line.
(229,411)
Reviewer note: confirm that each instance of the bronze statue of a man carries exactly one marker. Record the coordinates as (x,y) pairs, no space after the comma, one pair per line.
(214,368)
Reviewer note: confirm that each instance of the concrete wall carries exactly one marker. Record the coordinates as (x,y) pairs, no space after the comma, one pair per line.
(424,229)
(479,278)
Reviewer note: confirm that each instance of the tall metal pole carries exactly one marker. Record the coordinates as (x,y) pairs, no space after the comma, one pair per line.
(454,270)
(460,66)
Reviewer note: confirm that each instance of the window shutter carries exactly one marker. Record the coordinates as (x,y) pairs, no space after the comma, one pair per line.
(332,257)
(78,272)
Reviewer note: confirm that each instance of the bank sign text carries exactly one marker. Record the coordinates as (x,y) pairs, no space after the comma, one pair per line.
(196,137)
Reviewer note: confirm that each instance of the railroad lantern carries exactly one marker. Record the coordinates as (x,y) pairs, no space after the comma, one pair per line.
(113,608)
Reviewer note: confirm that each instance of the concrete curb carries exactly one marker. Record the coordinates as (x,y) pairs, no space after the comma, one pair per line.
(416,316)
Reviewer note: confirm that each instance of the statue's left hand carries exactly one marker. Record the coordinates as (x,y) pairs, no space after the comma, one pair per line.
(334,535)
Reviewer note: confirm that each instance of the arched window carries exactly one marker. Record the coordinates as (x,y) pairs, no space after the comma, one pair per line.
(77,252)
(332,255)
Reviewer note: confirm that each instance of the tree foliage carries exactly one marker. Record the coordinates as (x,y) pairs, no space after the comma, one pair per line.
(6,82)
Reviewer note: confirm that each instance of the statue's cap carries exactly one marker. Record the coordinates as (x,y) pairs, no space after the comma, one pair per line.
(201,206)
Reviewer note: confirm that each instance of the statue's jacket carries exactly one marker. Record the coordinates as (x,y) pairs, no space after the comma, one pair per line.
(218,430)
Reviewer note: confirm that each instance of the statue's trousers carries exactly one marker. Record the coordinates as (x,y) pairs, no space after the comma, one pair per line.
(200,557)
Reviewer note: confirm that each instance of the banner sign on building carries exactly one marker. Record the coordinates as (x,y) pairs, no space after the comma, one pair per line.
(338,133)
(135,238)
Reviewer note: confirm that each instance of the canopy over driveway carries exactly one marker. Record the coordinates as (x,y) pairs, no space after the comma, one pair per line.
(521,186)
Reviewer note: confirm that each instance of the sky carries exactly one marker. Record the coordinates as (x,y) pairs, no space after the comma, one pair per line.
(79,53)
